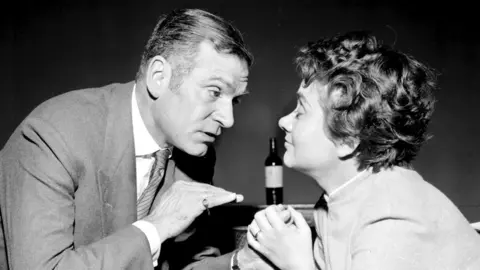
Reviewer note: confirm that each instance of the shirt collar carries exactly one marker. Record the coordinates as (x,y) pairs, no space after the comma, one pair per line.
(144,143)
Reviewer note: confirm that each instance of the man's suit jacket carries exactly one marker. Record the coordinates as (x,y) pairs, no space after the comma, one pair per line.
(68,187)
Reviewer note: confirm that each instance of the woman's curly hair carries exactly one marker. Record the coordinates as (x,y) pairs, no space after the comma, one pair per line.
(376,96)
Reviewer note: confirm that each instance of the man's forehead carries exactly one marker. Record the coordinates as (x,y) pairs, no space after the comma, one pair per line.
(207,55)
(226,79)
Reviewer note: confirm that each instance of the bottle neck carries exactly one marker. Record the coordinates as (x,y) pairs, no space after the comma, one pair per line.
(273,146)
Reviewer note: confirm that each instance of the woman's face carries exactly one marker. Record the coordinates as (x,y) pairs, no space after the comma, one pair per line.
(308,148)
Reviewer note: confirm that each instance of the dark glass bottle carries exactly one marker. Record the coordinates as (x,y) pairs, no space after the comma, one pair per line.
(273,175)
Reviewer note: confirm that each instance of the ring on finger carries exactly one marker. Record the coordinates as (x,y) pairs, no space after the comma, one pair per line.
(205,204)
(256,234)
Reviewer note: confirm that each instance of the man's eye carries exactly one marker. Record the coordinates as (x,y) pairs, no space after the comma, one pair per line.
(214,93)
(236,100)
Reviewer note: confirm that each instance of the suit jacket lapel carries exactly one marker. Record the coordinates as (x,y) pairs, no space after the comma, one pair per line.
(117,178)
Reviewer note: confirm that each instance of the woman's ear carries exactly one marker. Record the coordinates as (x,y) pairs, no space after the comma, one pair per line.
(158,75)
(346,148)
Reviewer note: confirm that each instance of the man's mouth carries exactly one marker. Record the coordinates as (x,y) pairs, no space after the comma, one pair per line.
(213,136)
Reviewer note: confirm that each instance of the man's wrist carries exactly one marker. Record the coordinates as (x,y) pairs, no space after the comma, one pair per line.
(161,237)
(151,233)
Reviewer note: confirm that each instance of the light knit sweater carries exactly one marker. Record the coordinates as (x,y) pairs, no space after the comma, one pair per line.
(392,220)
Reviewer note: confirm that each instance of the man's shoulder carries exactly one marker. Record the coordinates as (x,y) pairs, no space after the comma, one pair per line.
(87,101)
(78,108)
(78,116)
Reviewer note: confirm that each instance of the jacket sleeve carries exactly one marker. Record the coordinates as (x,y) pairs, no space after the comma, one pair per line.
(38,205)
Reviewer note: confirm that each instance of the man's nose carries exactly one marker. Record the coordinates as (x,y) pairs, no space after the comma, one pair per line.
(224,115)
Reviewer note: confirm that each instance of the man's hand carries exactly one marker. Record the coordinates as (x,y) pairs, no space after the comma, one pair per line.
(184,201)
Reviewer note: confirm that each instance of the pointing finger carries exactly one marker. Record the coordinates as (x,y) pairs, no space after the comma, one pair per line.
(219,199)
(239,198)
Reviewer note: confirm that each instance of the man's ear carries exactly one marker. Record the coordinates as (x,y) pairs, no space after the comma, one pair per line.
(346,149)
(158,75)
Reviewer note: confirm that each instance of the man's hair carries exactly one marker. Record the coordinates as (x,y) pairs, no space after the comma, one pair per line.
(177,35)
(376,96)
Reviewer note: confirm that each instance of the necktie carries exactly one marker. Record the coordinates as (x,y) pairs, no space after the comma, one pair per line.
(156,174)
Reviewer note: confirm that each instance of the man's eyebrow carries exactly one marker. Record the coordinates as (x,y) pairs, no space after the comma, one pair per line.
(228,84)
(245,92)
(222,80)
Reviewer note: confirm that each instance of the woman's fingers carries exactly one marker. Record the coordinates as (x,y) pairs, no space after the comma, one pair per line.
(272,215)
(254,244)
(262,221)
(298,219)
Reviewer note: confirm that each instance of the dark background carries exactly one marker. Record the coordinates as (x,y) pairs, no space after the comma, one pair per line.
(50,48)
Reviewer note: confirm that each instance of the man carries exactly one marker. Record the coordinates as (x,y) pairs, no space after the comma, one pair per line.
(85,181)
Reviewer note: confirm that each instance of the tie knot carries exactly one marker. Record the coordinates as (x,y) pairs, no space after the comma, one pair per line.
(162,155)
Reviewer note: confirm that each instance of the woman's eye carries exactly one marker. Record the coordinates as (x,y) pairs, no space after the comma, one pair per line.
(298,111)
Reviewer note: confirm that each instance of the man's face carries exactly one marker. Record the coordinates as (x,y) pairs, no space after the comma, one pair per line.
(193,116)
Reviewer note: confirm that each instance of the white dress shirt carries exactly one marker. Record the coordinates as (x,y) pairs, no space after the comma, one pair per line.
(144,145)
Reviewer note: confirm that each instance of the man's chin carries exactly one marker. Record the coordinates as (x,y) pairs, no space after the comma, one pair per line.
(198,149)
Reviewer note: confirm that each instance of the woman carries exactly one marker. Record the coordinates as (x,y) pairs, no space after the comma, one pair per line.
(361,117)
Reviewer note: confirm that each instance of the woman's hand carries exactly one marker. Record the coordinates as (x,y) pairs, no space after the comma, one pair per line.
(288,246)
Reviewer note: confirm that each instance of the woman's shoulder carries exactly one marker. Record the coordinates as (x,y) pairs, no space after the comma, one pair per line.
(398,183)
(403,193)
